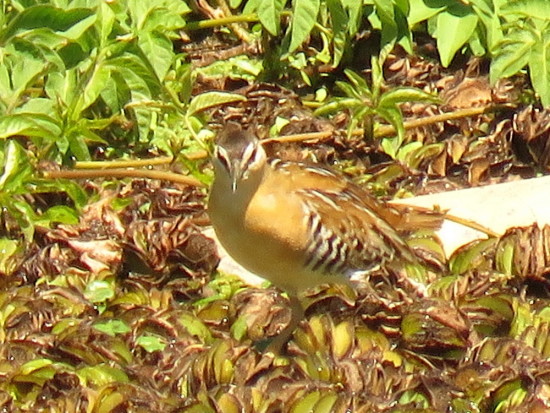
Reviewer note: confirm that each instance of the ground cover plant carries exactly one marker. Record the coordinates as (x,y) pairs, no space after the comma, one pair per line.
(110,299)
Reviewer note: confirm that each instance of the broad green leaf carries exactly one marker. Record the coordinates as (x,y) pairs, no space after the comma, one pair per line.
(28,124)
(139,10)
(269,13)
(43,106)
(78,29)
(304,17)
(536,9)
(115,94)
(513,54)
(539,68)
(45,37)
(455,26)
(421,10)
(163,20)
(105,21)
(339,20)
(93,88)
(62,86)
(159,50)
(77,145)
(26,64)
(251,6)
(141,81)
(44,16)
(211,99)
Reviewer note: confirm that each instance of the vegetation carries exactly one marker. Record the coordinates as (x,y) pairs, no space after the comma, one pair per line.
(109,298)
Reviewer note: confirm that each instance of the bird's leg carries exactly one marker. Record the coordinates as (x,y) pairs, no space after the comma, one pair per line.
(297,314)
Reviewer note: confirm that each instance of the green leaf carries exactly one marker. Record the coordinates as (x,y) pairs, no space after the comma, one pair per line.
(93,88)
(13,157)
(251,6)
(195,327)
(358,81)
(354,10)
(102,375)
(71,188)
(159,50)
(513,54)
(8,248)
(539,68)
(24,215)
(210,99)
(406,94)
(164,20)
(151,343)
(27,124)
(34,365)
(112,327)
(104,23)
(78,146)
(351,90)
(339,20)
(491,20)
(455,26)
(76,31)
(58,214)
(421,10)
(44,16)
(28,64)
(141,81)
(99,291)
(304,17)
(394,116)
(269,13)
(385,11)
(536,9)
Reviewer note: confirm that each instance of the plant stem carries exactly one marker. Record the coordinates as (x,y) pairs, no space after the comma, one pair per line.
(124,173)
(205,24)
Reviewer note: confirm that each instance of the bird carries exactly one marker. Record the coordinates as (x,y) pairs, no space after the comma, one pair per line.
(296,224)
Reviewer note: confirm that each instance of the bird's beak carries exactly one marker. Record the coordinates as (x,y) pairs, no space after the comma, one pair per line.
(237,175)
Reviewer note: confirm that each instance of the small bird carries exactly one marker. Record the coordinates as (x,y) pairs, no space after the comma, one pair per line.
(295,224)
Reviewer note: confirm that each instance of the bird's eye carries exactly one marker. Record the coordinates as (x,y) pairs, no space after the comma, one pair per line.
(221,155)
